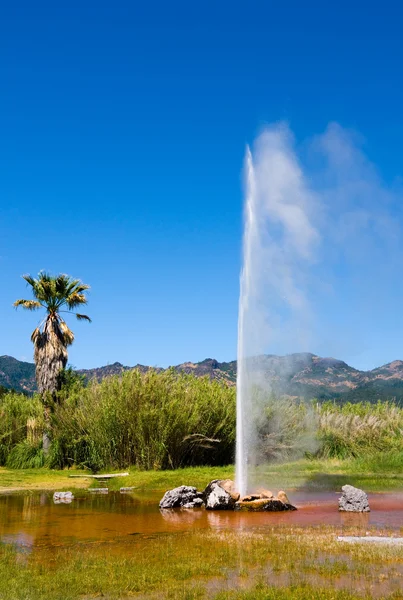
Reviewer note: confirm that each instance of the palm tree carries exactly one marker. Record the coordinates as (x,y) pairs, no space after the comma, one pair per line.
(52,337)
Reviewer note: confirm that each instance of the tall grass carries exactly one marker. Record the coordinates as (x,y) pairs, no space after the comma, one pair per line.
(152,420)
(355,430)
(19,414)
(168,420)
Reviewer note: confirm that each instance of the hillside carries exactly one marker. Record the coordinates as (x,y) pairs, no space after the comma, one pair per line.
(304,375)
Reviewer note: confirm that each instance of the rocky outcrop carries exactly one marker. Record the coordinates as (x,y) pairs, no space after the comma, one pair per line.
(353,499)
(263,504)
(184,496)
(265,501)
(220,494)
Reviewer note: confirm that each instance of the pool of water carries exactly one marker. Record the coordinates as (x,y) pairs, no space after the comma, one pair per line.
(33,521)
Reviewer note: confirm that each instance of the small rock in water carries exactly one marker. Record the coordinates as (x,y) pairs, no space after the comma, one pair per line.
(98,490)
(218,497)
(63,497)
(185,496)
(353,499)
(282,496)
(123,490)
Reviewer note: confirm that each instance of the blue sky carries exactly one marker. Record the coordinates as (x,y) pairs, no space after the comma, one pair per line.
(123,130)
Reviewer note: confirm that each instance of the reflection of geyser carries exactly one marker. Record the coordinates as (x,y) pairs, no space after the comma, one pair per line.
(277,245)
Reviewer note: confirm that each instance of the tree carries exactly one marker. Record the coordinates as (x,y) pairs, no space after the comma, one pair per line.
(60,294)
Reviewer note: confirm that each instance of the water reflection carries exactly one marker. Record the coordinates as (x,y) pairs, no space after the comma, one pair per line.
(34,521)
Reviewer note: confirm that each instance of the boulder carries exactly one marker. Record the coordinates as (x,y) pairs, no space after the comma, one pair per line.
(229,486)
(353,499)
(183,496)
(220,495)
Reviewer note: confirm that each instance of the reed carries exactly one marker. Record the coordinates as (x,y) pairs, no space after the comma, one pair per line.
(165,420)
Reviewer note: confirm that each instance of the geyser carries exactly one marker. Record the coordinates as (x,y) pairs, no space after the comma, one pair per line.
(278,243)
(321,248)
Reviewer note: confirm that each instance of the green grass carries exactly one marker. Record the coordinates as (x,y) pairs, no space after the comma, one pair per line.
(379,472)
(38,479)
(226,565)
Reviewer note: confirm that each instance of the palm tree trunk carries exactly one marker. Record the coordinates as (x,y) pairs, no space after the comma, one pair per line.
(50,358)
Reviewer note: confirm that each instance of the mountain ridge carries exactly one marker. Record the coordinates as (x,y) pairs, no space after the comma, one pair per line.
(300,374)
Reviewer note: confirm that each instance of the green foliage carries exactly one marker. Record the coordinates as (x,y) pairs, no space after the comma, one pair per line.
(151,420)
(169,420)
(69,381)
(26,455)
(20,416)
(362,429)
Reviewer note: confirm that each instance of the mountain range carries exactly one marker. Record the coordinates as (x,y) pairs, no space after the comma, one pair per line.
(303,374)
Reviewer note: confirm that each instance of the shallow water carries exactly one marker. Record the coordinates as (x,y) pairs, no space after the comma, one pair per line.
(33,522)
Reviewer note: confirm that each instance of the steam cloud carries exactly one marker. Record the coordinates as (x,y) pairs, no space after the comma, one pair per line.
(320,231)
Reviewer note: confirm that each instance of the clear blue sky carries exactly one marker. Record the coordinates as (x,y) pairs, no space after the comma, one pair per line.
(123,127)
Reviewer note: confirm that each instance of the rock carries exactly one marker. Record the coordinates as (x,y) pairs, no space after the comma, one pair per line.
(264,504)
(217,497)
(196,503)
(251,498)
(282,496)
(353,499)
(266,494)
(183,496)
(124,490)
(98,490)
(229,486)
(63,497)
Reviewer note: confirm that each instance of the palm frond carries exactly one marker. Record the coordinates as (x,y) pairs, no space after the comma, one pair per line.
(30,280)
(35,334)
(75,299)
(67,334)
(27,304)
(83,317)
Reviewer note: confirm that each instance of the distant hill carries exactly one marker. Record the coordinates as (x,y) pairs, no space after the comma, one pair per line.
(17,375)
(303,375)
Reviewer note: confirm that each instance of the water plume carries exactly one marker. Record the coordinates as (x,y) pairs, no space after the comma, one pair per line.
(310,242)
(279,235)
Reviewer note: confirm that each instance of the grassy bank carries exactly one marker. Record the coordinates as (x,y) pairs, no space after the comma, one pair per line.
(230,565)
(381,472)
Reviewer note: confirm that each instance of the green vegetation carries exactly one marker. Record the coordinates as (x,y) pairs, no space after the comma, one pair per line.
(208,564)
(381,474)
(169,420)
